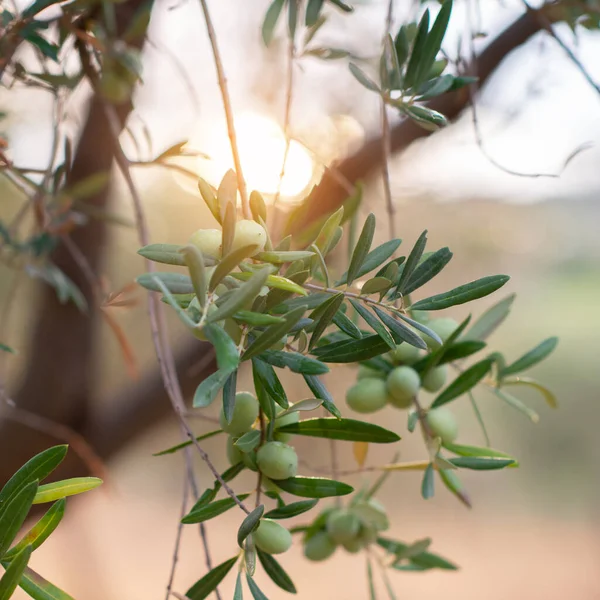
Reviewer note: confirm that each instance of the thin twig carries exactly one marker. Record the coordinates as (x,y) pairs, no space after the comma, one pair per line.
(362,298)
(228,109)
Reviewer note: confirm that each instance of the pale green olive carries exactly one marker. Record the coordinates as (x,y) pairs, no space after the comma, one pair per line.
(277,460)
(234,454)
(342,526)
(208,241)
(365,372)
(249,233)
(319,547)
(444,327)
(443,424)
(272,538)
(435,379)
(405,354)
(367,396)
(353,546)
(403,384)
(245,413)
(292,417)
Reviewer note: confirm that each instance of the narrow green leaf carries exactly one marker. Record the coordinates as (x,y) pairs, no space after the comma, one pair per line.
(229,262)
(12,575)
(279,257)
(274,333)
(351,350)
(374,323)
(270,382)
(258,206)
(325,319)
(476,451)
(195,263)
(531,358)
(372,592)
(313,487)
(464,382)
(250,524)
(461,350)
(291,510)
(229,391)
(14,514)
(516,403)
(292,17)
(376,257)
(313,12)
(481,463)
(302,405)
(363,78)
(420,327)
(317,387)
(328,231)
(426,271)
(238,593)
(181,313)
(454,485)
(270,21)
(208,195)
(254,589)
(427,486)
(212,510)
(167,254)
(488,322)
(226,350)
(265,400)
(361,250)
(374,285)
(176,283)
(208,389)
(256,319)
(275,281)
(40,532)
(411,262)
(209,583)
(400,331)
(341,429)
(244,294)
(276,572)
(464,293)
(434,41)
(526,381)
(346,325)
(178,447)
(418,48)
(249,441)
(50,492)
(295,362)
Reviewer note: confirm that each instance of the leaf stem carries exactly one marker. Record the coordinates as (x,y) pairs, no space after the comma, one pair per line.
(328,290)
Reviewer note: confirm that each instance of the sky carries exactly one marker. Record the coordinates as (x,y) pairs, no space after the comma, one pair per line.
(533,114)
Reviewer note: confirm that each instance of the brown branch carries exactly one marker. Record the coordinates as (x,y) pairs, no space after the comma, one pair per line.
(330,194)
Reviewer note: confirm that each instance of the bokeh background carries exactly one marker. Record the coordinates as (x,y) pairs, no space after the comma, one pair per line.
(534,532)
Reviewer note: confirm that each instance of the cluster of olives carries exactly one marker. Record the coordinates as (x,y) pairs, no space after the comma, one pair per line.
(398,387)
(352,528)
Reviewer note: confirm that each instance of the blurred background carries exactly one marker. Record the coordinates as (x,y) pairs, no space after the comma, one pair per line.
(534,532)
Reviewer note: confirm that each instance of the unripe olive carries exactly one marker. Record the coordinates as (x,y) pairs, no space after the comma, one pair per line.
(367,535)
(234,454)
(421,316)
(269,486)
(372,514)
(249,233)
(365,372)
(272,538)
(208,241)
(403,384)
(292,417)
(405,354)
(443,424)
(353,546)
(342,526)
(245,412)
(319,547)
(367,396)
(435,379)
(277,460)
(444,327)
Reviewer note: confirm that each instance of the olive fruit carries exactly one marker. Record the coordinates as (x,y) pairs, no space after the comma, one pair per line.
(319,547)
(405,354)
(292,417)
(272,538)
(249,233)
(367,396)
(245,412)
(365,372)
(435,379)
(234,454)
(421,316)
(444,327)
(277,460)
(208,241)
(353,546)
(443,424)
(403,384)
(342,526)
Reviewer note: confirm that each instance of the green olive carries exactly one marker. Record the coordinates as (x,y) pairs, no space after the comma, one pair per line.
(342,526)
(444,327)
(403,384)
(405,354)
(365,372)
(249,233)
(245,412)
(292,417)
(319,547)
(272,538)
(234,454)
(367,396)
(422,316)
(353,546)
(277,460)
(443,424)
(435,379)
(208,241)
